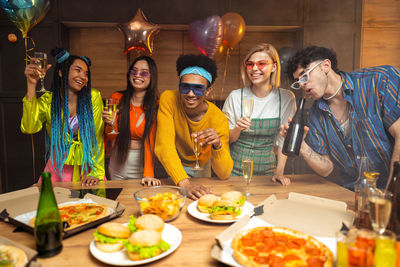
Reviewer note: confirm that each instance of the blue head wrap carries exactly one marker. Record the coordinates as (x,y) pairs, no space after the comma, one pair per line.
(197,70)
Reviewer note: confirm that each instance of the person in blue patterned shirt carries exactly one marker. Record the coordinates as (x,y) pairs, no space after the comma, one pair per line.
(354,114)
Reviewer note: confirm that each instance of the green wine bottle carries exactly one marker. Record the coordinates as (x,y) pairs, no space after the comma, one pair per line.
(48,224)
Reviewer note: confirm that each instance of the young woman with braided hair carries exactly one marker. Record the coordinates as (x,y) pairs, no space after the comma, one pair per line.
(72,113)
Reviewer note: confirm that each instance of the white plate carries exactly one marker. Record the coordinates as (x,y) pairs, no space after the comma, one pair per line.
(170,234)
(247,208)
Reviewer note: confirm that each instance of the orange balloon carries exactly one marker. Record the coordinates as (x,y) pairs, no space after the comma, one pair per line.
(234,27)
(221,53)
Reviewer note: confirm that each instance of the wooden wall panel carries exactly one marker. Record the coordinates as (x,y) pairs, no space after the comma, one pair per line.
(343,39)
(104,46)
(381,13)
(380,33)
(380,46)
(328,11)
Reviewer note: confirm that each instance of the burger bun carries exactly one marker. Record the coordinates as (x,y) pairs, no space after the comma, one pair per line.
(206,202)
(150,222)
(234,196)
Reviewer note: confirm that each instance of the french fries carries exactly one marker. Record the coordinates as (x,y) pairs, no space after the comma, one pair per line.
(166,205)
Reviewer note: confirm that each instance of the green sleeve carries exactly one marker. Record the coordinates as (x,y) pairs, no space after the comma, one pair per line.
(35,112)
(97,103)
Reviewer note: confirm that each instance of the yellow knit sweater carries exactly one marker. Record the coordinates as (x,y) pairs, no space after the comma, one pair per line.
(174,146)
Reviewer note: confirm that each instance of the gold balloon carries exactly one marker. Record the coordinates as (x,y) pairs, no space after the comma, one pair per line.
(234,28)
(139,33)
(221,53)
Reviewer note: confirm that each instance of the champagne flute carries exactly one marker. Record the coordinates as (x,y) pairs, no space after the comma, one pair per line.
(248,104)
(380,206)
(247,168)
(197,151)
(111,106)
(41,62)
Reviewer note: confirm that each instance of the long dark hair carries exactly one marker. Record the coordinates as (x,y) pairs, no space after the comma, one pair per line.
(149,107)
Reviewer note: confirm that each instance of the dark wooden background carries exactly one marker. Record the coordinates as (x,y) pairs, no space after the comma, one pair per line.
(347,26)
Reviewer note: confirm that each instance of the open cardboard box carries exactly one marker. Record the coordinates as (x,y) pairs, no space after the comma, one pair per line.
(26,200)
(319,217)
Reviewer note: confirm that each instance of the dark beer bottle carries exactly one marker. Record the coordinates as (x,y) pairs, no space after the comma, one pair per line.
(294,135)
(48,225)
(394,188)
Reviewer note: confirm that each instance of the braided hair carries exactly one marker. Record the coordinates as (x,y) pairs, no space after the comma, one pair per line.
(61,132)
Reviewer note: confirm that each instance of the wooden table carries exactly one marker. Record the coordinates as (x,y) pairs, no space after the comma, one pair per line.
(198,236)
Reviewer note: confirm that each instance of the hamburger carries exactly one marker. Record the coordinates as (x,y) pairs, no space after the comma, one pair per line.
(224,210)
(150,222)
(145,244)
(109,236)
(205,202)
(234,196)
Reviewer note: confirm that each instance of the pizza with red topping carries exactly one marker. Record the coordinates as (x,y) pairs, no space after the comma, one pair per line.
(279,247)
(80,213)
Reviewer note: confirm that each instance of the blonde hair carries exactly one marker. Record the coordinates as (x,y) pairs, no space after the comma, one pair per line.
(275,78)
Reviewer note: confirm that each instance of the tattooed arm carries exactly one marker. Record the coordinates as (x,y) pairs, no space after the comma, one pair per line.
(321,164)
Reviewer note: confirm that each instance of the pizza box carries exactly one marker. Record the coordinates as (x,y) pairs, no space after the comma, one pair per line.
(18,203)
(30,253)
(318,217)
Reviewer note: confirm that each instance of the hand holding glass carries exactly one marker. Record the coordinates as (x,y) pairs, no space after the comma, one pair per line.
(248,104)
(111,106)
(41,62)
(247,168)
(197,151)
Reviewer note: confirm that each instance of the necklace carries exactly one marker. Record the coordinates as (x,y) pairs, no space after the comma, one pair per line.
(332,96)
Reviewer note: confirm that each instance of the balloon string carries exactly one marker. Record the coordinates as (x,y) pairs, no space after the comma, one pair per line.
(226,64)
(27,50)
(33,159)
(27,58)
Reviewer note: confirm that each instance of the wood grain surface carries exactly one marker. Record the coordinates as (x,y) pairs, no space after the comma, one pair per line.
(198,236)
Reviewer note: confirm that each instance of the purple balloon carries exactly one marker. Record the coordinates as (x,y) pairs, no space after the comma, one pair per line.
(207,34)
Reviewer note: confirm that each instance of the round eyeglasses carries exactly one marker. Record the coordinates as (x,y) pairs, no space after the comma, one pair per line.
(304,77)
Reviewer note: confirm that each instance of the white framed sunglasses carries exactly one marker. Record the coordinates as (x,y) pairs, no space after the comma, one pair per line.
(304,78)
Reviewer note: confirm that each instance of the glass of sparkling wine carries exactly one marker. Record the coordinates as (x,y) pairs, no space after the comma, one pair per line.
(41,62)
(197,151)
(247,168)
(248,104)
(380,206)
(111,106)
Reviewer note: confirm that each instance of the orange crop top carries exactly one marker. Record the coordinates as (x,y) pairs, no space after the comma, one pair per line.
(137,134)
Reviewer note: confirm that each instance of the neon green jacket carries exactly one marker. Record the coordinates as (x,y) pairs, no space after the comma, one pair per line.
(37,111)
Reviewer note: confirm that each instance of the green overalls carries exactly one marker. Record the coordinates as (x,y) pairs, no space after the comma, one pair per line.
(258,144)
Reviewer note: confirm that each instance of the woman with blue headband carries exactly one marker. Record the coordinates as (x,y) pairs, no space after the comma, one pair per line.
(72,113)
(185,116)
(272,107)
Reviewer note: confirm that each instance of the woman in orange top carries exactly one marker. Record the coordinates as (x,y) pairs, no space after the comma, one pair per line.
(132,155)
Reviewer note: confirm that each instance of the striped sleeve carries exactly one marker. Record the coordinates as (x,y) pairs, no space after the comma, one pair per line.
(390,95)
